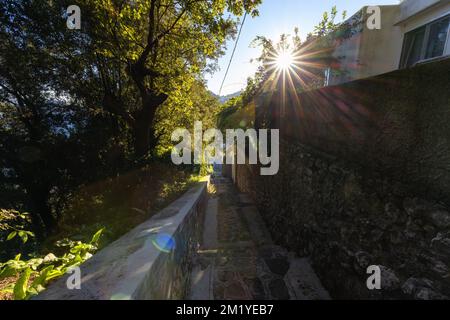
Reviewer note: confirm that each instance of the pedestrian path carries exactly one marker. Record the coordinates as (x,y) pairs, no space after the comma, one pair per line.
(237,259)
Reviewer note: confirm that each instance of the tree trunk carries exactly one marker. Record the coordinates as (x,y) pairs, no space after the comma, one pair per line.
(143,130)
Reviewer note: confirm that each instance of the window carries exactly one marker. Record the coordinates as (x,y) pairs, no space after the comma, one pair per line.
(437,38)
(426,42)
(413,44)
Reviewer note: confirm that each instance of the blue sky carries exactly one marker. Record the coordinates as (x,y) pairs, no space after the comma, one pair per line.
(276,17)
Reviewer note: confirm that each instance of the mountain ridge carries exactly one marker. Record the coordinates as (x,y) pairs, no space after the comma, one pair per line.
(227,97)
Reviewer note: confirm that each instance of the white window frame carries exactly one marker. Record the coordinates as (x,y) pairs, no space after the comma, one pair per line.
(446,51)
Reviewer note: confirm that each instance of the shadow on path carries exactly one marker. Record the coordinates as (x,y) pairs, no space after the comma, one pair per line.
(237,258)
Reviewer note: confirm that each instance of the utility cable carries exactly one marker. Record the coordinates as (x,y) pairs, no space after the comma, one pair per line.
(232,54)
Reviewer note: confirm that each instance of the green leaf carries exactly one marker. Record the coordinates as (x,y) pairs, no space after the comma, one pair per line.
(31,234)
(7,271)
(24,236)
(34,263)
(11,235)
(17,264)
(97,235)
(50,258)
(33,292)
(20,289)
(8,289)
(41,280)
(54,274)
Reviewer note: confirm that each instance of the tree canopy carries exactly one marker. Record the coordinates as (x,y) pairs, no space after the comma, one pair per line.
(79,105)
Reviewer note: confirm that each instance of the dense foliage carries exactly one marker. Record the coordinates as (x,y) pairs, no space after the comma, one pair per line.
(32,275)
(86,117)
(79,106)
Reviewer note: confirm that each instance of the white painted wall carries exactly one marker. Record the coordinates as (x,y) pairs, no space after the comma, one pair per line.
(374,52)
(370,52)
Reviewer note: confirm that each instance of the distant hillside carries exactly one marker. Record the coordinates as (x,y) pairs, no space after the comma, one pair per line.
(224,99)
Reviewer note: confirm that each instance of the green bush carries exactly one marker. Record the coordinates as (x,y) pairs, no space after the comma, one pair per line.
(34,274)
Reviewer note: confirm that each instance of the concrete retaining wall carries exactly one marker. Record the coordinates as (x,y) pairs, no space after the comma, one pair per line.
(142,264)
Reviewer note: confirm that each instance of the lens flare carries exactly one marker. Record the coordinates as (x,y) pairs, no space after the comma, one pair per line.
(164,242)
(284,60)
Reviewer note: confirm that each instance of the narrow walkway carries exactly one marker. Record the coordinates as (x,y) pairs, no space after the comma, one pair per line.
(238,260)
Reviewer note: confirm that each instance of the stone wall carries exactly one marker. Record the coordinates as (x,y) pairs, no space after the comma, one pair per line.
(396,123)
(346,220)
(153,261)
(364,180)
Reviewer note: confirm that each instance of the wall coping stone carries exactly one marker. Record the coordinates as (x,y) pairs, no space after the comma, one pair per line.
(118,271)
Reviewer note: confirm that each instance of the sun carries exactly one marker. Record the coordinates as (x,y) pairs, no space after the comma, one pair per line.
(284,60)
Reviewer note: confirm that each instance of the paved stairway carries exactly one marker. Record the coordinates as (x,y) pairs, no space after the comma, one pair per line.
(237,258)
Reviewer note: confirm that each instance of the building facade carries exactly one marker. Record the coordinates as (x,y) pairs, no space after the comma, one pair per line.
(412,32)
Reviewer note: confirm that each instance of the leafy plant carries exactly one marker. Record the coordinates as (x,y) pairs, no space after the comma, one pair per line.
(14,222)
(34,274)
(23,234)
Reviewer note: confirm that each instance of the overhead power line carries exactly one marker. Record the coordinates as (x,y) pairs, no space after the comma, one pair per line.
(232,54)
